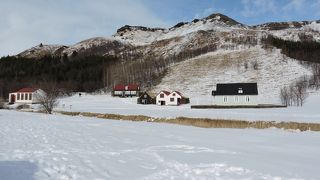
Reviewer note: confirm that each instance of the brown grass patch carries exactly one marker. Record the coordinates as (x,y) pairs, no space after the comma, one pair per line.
(204,122)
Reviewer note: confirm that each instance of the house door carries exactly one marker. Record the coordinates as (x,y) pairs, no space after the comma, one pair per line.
(144,101)
(13,98)
(179,101)
(163,103)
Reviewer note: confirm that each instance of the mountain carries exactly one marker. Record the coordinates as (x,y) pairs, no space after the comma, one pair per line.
(193,56)
(42,50)
(143,36)
(284,25)
(217,27)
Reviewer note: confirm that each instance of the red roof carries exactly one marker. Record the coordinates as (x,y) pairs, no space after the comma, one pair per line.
(177,92)
(27,90)
(133,87)
(165,92)
(130,87)
(119,87)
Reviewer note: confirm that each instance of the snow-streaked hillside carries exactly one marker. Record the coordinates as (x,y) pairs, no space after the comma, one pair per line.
(199,76)
(99,46)
(49,147)
(43,50)
(138,36)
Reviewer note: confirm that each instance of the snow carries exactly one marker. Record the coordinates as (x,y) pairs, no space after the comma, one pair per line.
(139,37)
(93,42)
(313,26)
(40,50)
(128,106)
(37,146)
(204,25)
(199,76)
(292,34)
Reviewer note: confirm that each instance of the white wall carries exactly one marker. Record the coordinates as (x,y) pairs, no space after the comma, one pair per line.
(126,93)
(34,98)
(231,100)
(175,99)
(158,98)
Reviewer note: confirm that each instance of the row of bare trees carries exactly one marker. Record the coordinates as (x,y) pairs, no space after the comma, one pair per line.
(295,94)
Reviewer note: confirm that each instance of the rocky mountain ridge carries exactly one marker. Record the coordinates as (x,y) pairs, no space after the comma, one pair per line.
(220,29)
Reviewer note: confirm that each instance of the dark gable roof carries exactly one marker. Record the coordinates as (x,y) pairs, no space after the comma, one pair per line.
(233,89)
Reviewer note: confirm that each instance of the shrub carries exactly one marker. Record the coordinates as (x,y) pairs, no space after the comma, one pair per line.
(1,103)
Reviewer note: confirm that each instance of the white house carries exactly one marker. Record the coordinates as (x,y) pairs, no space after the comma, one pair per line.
(236,94)
(174,98)
(162,98)
(26,96)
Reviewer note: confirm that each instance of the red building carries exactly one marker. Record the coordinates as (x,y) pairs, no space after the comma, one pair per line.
(126,90)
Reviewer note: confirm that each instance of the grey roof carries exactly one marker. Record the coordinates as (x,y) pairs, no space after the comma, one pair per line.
(236,89)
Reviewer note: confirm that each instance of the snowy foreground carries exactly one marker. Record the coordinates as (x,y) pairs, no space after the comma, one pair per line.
(128,106)
(38,146)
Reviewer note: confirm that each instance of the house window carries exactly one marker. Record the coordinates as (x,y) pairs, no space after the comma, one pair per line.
(18,96)
(247,99)
(225,99)
(171,99)
(145,96)
(240,91)
(174,94)
(22,96)
(161,95)
(30,96)
(236,99)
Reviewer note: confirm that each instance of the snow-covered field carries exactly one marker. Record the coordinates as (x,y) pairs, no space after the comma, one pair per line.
(128,106)
(38,146)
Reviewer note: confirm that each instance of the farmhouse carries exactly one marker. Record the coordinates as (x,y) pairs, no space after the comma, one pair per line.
(126,90)
(145,98)
(174,98)
(26,96)
(236,94)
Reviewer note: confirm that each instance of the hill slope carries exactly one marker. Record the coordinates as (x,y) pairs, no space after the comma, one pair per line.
(270,69)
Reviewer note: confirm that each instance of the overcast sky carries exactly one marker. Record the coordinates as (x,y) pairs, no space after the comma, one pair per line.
(26,23)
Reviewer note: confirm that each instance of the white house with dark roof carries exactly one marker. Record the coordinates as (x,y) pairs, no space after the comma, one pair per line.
(26,96)
(236,94)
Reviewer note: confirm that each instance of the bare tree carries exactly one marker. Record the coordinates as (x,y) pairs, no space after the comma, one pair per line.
(255,65)
(49,100)
(295,94)
(301,92)
(284,96)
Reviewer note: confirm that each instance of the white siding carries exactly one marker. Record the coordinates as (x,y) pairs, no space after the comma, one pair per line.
(159,99)
(118,93)
(26,97)
(236,100)
(174,98)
